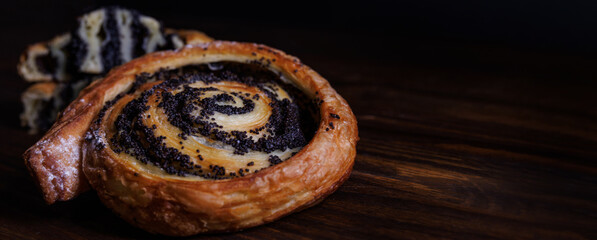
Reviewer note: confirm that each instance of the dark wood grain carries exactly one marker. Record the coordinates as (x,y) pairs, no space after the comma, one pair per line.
(457,141)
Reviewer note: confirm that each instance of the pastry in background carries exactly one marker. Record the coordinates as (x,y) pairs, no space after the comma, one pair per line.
(102,39)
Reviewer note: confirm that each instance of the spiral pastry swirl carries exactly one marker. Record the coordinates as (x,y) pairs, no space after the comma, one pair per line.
(213,137)
(213,121)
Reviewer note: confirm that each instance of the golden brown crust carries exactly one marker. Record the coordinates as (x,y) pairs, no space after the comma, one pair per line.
(181,207)
(190,36)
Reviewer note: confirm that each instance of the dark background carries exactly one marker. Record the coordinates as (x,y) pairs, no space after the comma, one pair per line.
(478,119)
(374,28)
(415,31)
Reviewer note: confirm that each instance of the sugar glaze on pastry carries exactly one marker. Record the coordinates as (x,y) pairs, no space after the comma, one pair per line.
(163,139)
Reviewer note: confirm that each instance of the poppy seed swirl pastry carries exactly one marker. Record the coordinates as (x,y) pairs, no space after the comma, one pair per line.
(213,137)
(102,39)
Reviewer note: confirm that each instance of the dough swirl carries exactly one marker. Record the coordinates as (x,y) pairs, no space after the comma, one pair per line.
(216,121)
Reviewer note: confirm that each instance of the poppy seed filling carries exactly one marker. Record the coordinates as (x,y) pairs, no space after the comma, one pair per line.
(194,99)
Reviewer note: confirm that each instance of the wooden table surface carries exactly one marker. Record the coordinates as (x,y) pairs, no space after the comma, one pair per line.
(456,141)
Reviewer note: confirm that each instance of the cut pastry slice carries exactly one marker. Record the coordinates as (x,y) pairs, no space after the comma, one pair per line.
(213,137)
(36,100)
(42,102)
(103,39)
(45,61)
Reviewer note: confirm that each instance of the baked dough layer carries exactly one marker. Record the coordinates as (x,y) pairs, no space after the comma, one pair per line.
(162,204)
